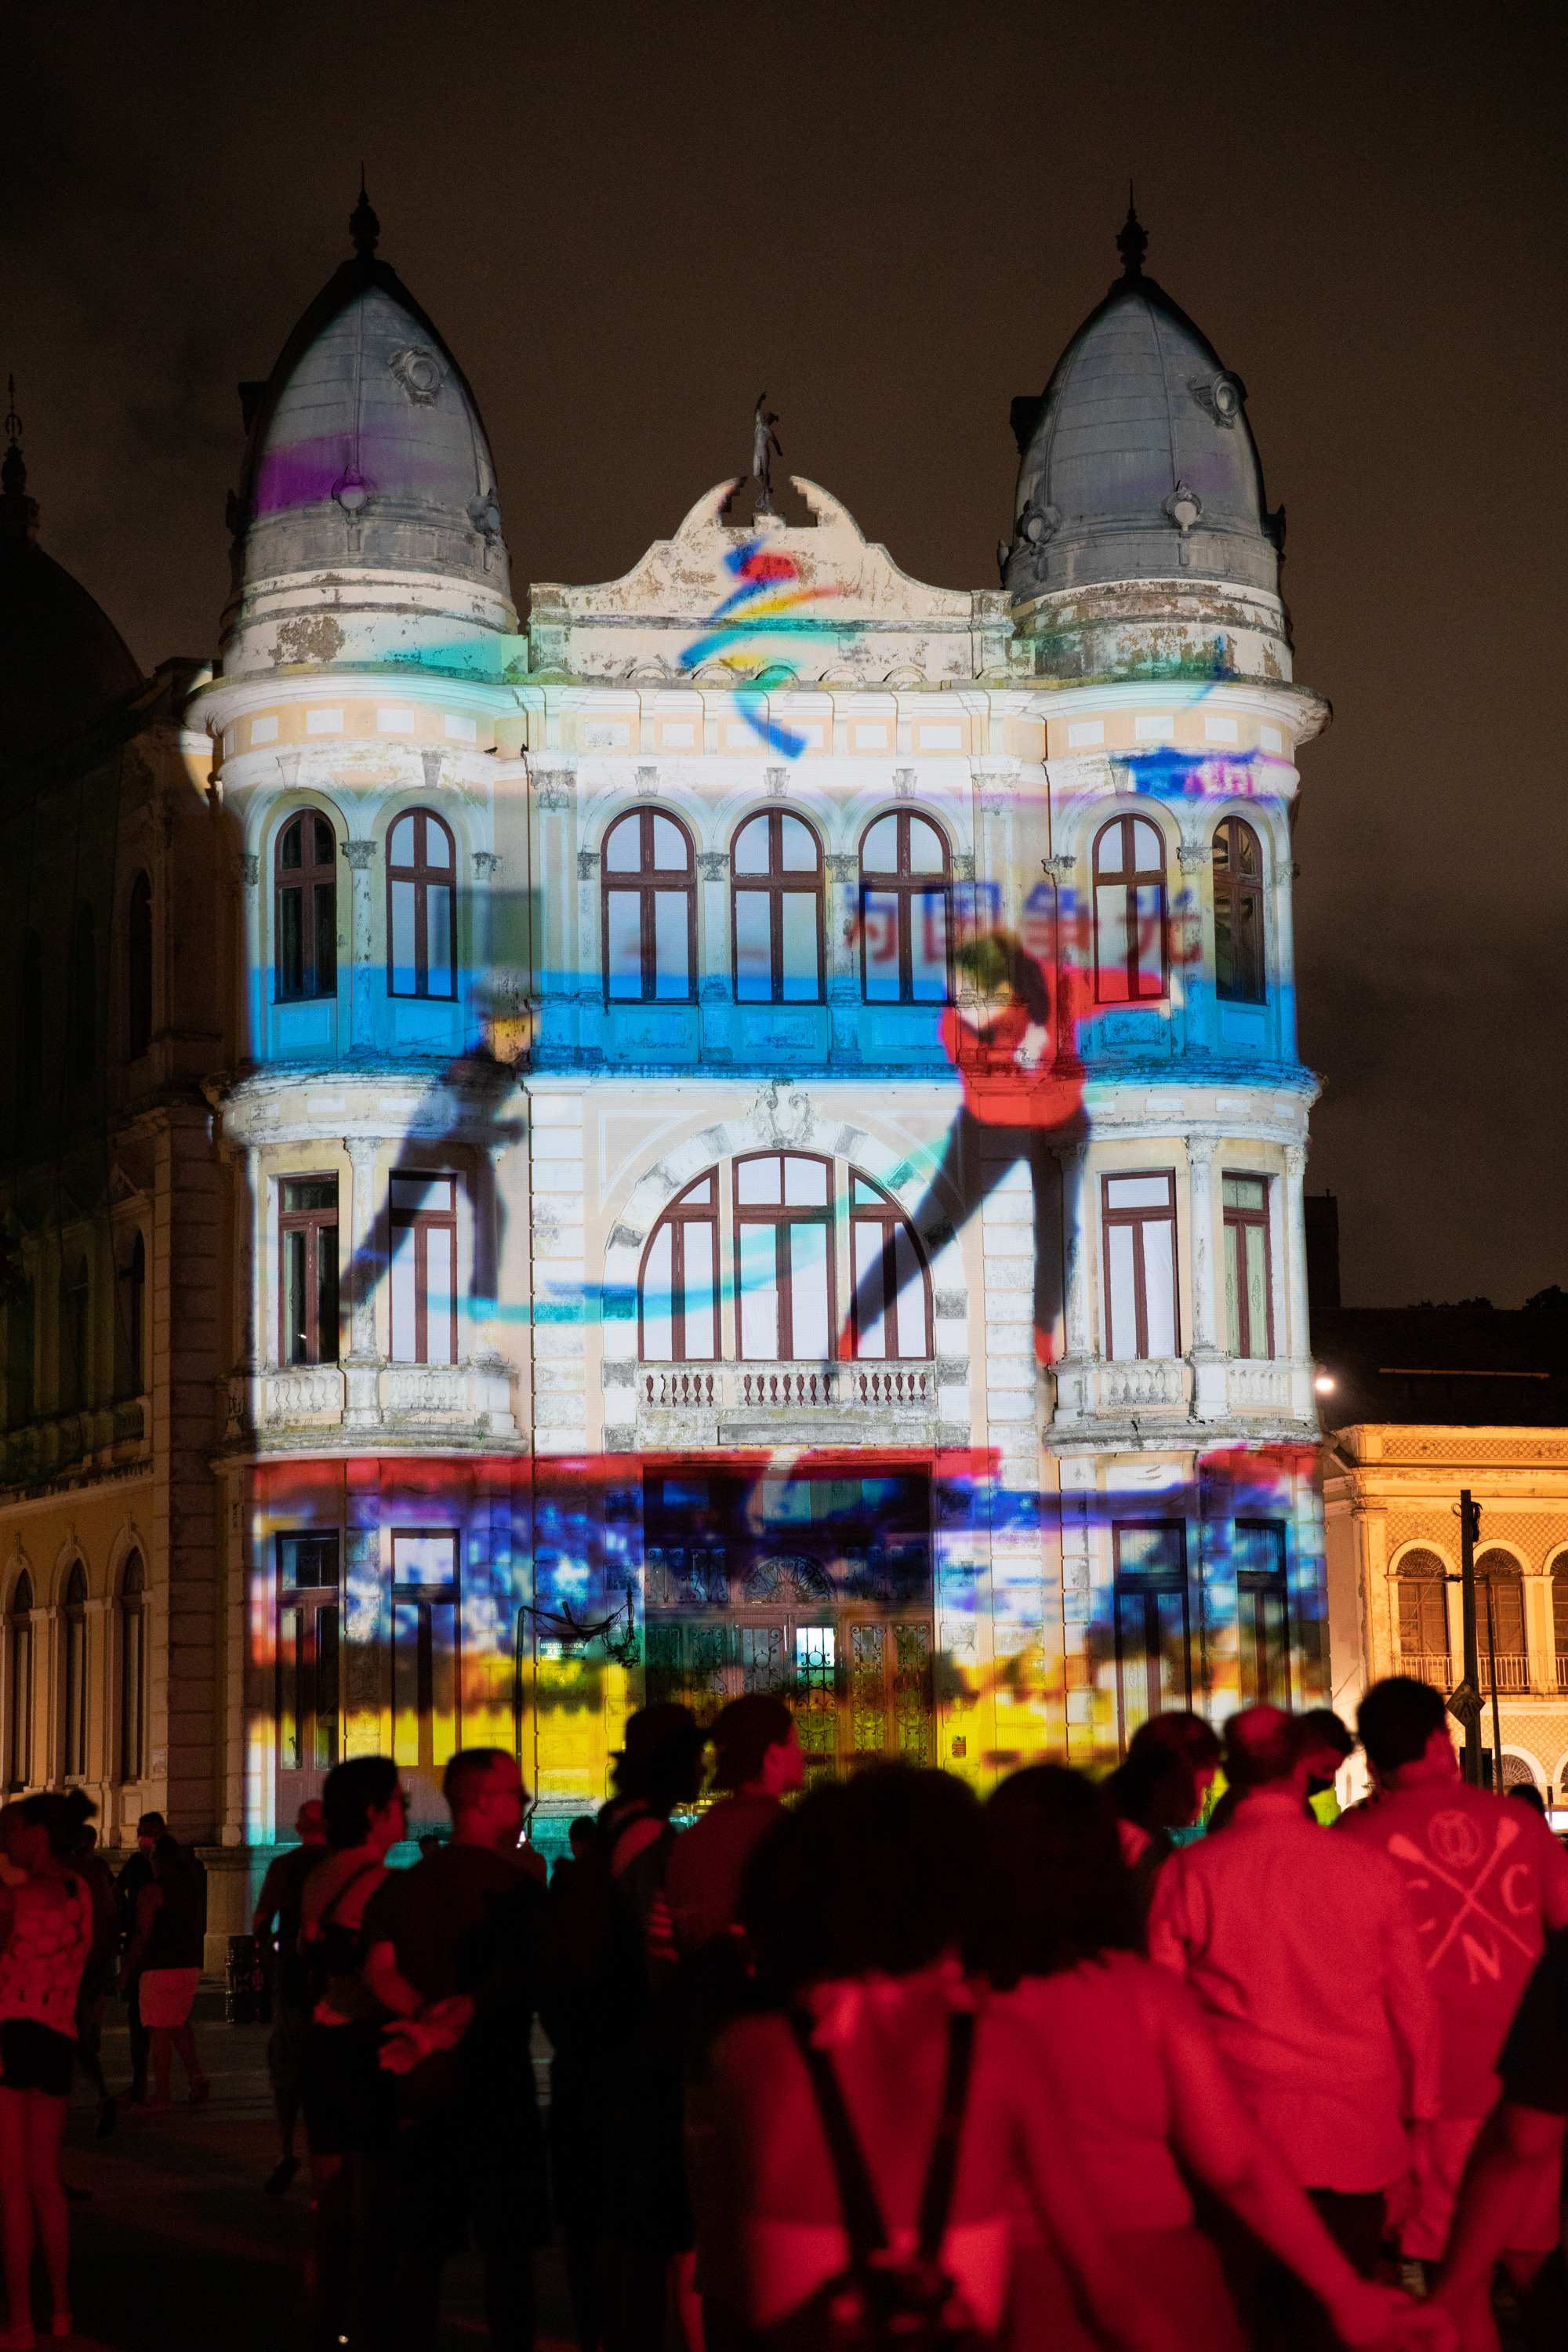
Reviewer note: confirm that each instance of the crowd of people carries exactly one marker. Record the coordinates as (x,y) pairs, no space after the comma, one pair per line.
(1093,2064)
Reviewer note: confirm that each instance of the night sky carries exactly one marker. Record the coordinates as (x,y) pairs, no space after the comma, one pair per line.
(626,220)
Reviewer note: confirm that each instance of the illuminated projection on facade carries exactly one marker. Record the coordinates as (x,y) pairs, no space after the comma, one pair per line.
(761,1117)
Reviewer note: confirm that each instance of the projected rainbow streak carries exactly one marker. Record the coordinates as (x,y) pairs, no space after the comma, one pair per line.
(762,608)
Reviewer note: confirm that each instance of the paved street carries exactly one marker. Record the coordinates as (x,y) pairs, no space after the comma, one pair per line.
(174,2247)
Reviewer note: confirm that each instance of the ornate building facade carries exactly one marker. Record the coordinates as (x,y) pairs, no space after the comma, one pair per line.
(748,1130)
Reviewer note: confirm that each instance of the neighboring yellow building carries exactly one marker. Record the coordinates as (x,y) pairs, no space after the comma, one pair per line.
(1427,1402)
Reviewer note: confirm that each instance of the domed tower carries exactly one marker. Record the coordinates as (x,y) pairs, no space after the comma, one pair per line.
(1143,580)
(365,650)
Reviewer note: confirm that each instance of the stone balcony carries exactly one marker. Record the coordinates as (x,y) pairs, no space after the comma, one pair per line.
(73,1445)
(686,1405)
(295,1407)
(1200,1387)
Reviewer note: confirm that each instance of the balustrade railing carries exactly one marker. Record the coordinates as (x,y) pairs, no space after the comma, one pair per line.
(1432,1666)
(785,1388)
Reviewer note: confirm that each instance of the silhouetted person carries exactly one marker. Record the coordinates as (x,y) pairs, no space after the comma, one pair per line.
(1525,1792)
(98,1976)
(1326,1746)
(165,1957)
(134,1875)
(1488,1883)
(1127,2056)
(281,1898)
(757,1763)
(1154,1792)
(1301,1947)
(453,1950)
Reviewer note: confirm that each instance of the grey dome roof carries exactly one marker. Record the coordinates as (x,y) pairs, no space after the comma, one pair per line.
(63,663)
(1138,461)
(367,423)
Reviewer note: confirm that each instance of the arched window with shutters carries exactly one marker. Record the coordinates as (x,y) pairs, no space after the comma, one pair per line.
(139,970)
(81,1034)
(1422,1599)
(1504,1634)
(777,912)
(678,1295)
(421,907)
(1129,911)
(307,946)
(132,1668)
(1240,973)
(1560,1617)
(30,1021)
(74,1762)
(887,1269)
(905,920)
(648,888)
(19,1681)
(784,1289)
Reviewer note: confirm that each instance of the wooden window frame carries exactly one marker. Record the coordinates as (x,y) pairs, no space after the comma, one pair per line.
(681,1213)
(1131,878)
(1273,1580)
(424,877)
(887,1216)
(1129,1216)
(309,879)
(1513,1575)
(312,1222)
(905,887)
(646,882)
(318,1604)
(1428,1585)
(423,1596)
(422,1223)
(1237,1220)
(132,1606)
(752,1213)
(1133,1586)
(1234,890)
(778,885)
(21,1680)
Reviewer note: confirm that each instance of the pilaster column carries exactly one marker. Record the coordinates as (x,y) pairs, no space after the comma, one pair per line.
(1210,1398)
(479,988)
(254,962)
(254,1352)
(1303,1403)
(1073,1399)
(361,855)
(362,1405)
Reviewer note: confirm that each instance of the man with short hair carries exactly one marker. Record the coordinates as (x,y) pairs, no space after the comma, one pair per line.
(1302,1950)
(1488,1883)
(459,1936)
(757,1763)
(281,1898)
(134,1875)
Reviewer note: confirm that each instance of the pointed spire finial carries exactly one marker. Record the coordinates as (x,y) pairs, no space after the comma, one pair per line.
(363,227)
(1133,244)
(13,468)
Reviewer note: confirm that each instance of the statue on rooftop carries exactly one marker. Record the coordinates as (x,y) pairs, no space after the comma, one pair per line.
(763,441)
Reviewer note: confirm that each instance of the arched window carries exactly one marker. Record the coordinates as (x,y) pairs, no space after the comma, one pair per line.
(1129,911)
(129,1379)
(777,918)
(132,1667)
(678,1302)
(421,928)
(19,1746)
(1239,914)
(905,912)
(30,1021)
(881,1235)
(75,1297)
(307,907)
(783,1258)
(139,970)
(1507,1627)
(1422,1617)
(74,1764)
(81,1040)
(649,910)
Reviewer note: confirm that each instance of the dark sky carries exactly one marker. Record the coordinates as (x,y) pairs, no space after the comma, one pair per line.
(627,218)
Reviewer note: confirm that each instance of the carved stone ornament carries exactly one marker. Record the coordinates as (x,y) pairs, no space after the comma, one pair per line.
(1038,523)
(904,784)
(782,1115)
(1062,865)
(1184,508)
(421,372)
(358,854)
(1193,855)
(486,865)
(843,865)
(1219,396)
(712,864)
(587,865)
(555,787)
(778,781)
(249,867)
(647,780)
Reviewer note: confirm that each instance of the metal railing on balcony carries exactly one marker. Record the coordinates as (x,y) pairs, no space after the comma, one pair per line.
(1432,1666)
(1512,1673)
(1563,1670)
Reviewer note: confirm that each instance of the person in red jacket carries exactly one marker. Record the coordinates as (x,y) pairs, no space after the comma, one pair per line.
(1023,1093)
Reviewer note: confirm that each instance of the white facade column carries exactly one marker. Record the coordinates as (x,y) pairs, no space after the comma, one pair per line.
(480,988)
(255,992)
(1303,1402)
(1210,1395)
(362,1369)
(1074,1399)
(361,855)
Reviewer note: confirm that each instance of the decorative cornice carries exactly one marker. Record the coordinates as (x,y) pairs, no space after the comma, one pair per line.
(359,855)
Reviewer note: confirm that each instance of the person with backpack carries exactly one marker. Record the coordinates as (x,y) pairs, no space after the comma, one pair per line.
(876,2121)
